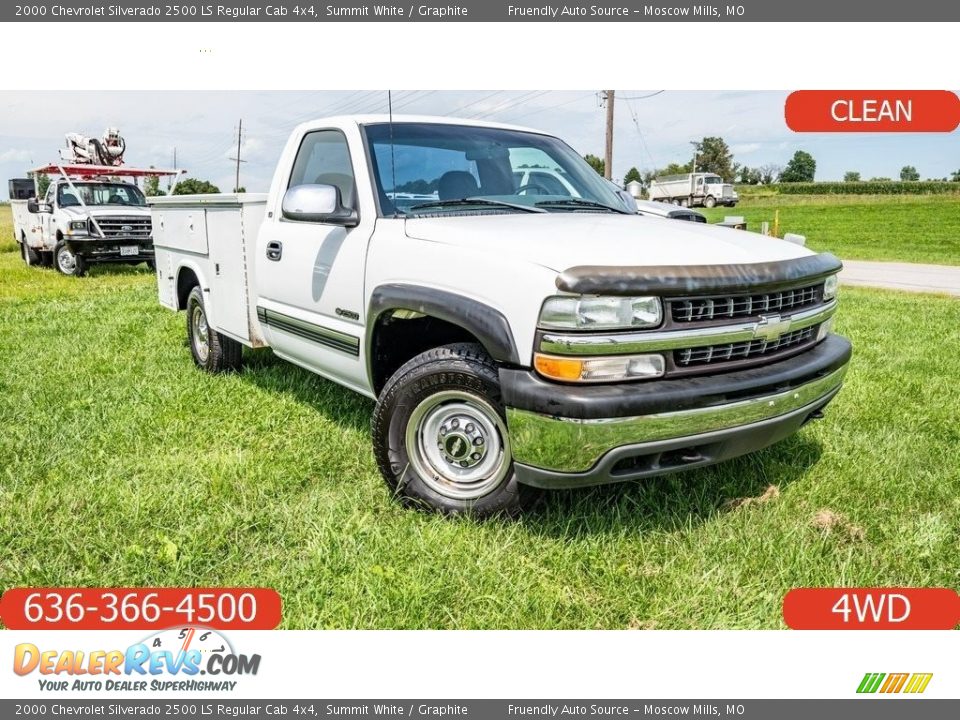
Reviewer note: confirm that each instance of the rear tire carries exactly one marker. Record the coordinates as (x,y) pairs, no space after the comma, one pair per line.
(67,262)
(211,350)
(29,255)
(440,434)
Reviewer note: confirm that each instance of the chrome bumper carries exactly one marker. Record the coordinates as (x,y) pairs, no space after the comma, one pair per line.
(566,445)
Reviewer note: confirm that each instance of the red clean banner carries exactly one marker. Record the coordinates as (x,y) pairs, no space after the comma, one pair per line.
(871,609)
(140,608)
(863,111)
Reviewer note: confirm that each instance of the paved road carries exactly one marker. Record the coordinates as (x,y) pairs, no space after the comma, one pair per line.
(911,277)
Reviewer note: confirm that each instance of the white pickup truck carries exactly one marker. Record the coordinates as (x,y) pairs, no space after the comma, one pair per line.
(510,334)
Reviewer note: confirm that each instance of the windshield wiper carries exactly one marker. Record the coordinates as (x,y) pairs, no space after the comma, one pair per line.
(467,202)
(578,203)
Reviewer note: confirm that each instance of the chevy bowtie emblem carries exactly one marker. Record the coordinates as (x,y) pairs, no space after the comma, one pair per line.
(770,327)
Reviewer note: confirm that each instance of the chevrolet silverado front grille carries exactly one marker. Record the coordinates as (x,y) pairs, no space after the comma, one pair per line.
(748,350)
(726,307)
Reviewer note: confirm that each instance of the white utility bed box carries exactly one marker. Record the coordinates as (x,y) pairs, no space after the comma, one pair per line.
(204,232)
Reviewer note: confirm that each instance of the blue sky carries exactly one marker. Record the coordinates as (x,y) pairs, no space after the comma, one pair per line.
(649,132)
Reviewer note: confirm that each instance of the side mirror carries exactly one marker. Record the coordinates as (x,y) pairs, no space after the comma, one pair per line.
(33,206)
(317,203)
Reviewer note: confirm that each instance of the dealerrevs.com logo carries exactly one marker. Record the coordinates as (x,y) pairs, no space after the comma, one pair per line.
(890,683)
(179,659)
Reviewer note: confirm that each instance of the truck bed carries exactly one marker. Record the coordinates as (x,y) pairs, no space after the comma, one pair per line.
(215,237)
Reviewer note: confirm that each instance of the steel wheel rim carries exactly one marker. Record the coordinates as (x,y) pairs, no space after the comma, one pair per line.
(458,444)
(66,261)
(201,333)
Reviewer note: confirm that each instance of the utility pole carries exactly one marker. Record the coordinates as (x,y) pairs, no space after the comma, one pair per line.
(608,150)
(236,186)
(696,150)
(169,179)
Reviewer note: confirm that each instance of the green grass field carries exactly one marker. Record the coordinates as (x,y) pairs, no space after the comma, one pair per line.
(122,465)
(908,228)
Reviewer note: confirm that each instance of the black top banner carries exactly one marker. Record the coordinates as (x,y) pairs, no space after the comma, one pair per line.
(481,11)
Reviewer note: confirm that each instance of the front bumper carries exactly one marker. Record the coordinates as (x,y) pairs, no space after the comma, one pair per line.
(571,436)
(104,250)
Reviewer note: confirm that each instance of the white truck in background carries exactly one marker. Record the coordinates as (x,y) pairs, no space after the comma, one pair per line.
(511,335)
(89,214)
(692,189)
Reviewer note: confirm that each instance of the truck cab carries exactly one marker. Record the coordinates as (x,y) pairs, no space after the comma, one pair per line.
(511,337)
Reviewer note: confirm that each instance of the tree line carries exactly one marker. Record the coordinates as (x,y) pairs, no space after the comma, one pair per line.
(713,155)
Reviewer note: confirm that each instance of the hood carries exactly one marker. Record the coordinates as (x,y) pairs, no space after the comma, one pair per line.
(76,211)
(564,240)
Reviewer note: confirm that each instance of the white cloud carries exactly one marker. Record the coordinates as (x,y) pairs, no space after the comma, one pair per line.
(14,155)
(745,148)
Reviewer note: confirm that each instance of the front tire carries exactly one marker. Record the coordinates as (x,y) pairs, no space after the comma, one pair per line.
(440,434)
(67,262)
(709,201)
(211,350)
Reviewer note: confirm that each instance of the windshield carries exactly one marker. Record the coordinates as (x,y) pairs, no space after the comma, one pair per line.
(713,180)
(100,194)
(431,166)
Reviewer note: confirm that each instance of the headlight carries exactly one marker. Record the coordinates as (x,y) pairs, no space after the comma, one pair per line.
(78,224)
(599,369)
(600,313)
(830,286)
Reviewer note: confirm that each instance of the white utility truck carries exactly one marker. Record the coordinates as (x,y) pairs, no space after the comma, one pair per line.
(510,334)
(706,189)
(89,214)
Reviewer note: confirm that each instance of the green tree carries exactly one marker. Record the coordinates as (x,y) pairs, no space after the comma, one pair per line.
(632,174)
(749,175)
(801,168)
(240,189)
(43,184)
(955,176)
(851,176)
(193,186)
(675,169)
(714,156)
(595,162)
(769,173)
(908,173)
(151,186)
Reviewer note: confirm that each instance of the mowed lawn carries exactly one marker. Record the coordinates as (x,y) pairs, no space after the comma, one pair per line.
(908,228)
(122,465)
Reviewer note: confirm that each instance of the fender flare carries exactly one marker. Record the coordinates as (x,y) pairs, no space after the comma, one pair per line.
(487,324)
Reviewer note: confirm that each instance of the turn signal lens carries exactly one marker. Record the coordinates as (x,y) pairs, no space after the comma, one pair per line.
(558,368)
(603,369)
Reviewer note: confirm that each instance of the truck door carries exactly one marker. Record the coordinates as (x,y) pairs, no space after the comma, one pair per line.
(698,191)
(48,229)
(309,275)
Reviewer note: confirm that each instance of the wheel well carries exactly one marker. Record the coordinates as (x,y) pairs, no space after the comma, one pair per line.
(397,338)
(186,279)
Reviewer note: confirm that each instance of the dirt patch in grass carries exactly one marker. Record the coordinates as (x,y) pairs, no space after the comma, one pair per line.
(771,493)
(832,523)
